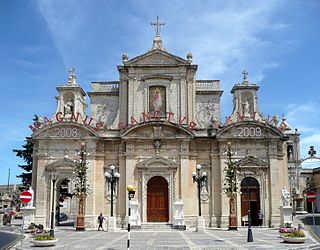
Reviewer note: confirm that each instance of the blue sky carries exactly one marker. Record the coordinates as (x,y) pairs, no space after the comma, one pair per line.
(277,42)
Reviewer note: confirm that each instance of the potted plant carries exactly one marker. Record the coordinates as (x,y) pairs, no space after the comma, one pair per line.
(44,240)
(285,230)
(295,237)
(288,228)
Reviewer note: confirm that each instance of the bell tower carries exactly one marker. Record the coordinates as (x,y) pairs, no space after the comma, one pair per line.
(245,101)
(71,98)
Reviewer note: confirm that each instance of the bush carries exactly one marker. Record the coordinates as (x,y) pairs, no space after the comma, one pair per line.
(295,234)
(44,237)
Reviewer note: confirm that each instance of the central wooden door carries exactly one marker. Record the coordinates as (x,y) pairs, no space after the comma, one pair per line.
(157,200)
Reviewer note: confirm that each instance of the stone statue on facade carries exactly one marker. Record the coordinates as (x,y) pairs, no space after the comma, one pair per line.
(68,107)
(39,120)
(245,108)
(285,196)
(72,78)
(30,204)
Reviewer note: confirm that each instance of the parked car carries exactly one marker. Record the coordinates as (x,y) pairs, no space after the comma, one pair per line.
(63,217)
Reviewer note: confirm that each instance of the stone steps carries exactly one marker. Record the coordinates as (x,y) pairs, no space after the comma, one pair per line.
(155,226)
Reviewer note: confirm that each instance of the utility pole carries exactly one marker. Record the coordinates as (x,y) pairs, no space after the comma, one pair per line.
(8,180)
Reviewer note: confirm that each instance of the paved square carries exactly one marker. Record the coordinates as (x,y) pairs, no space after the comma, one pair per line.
(264,238)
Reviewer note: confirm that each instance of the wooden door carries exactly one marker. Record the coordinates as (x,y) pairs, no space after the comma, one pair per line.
(250,195)
(157,200)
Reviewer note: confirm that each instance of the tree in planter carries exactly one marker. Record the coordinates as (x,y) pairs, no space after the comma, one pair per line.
(81,186)
(230,186)
(26,155)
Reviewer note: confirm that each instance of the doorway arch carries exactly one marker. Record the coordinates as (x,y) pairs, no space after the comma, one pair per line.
(250,199)
(157,200)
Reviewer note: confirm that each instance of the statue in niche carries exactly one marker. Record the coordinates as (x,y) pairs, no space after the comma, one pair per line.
(285,196)
(204,193)
(245,108)
(68,107)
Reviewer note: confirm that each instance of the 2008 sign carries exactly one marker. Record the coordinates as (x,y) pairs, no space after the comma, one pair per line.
(249,132)
(66,132)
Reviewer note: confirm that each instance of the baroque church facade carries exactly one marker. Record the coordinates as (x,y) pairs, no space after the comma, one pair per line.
(155,125)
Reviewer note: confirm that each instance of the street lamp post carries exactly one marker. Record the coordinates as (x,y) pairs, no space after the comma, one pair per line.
(231,187)
(53,176)
(112,178)
(81,185)
(299,199)
(201,179)
(131,193)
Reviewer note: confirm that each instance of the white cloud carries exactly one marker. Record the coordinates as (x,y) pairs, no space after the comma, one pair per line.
(306,117)
(25,63)
(224,37)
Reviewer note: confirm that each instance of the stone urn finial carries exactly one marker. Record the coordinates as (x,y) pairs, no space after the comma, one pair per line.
(124,57)
(189,57)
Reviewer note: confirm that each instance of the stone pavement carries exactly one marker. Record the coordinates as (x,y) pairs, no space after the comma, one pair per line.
(264,238)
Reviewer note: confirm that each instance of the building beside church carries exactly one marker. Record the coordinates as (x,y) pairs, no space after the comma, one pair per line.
(155,125)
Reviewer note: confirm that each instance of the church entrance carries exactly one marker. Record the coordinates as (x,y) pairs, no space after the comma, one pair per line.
(157,200)
(250,199)
(65,205)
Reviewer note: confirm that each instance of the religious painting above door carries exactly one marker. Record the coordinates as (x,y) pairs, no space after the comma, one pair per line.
(157,100)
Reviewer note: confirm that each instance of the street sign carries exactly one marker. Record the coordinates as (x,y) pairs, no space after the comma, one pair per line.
(311,196)
(25,197)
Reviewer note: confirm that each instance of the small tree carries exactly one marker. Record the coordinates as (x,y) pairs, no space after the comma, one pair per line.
(26,155)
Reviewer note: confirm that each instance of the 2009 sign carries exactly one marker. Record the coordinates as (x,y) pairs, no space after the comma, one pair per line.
(249,132)
(66,132)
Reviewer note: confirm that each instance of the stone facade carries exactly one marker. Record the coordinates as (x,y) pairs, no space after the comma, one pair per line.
(155,125)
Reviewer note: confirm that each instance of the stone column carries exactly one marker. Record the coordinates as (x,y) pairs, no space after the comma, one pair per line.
(215,184)
(224,199)
(275,192)
(41,199)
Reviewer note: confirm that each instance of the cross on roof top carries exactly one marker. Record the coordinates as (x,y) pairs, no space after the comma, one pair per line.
(245,75)
(157,24)
(71,71)
(72,77)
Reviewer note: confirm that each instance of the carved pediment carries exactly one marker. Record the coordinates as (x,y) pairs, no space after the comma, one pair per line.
(250,130)
(157,130)
(63,164)
(156,57)
(252,161)
(157,162)
(64,130)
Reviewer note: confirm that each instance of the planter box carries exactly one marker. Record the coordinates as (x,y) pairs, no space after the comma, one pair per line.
(44,243)
(294,239)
